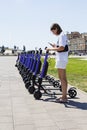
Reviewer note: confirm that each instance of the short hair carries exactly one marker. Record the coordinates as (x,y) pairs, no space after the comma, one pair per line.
(54,26)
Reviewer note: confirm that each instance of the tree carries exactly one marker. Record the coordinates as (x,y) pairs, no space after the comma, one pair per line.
(2,49)
(24,48)
(14,48)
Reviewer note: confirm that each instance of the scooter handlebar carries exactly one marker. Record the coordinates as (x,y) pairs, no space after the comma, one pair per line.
(46,50)
(40,51)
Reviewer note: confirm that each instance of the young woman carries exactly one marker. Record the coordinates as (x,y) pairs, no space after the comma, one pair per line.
(61,49)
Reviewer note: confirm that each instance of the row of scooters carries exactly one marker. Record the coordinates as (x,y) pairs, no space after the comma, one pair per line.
(35,77)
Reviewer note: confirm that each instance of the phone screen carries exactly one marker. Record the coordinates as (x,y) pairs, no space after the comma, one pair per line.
(50,43)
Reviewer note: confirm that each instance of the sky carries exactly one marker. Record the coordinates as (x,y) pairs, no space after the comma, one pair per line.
(28,22)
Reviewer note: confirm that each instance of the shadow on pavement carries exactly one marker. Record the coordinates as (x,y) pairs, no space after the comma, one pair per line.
(76,105)
(70,104)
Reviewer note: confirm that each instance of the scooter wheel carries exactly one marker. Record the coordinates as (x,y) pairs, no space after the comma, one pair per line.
(37,94)
(72,92)
(15,65)
(25,80)
(27,84)
(31,89)
(56,84)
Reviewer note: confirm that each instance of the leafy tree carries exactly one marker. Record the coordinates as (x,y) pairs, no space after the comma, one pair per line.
(24,48)
(2,49)
(14,48)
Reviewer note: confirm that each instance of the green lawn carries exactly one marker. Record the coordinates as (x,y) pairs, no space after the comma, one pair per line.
(76,72)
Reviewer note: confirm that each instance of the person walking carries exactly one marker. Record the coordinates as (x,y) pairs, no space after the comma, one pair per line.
(61,49)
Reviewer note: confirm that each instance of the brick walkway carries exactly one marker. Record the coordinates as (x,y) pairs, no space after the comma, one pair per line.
(20,111)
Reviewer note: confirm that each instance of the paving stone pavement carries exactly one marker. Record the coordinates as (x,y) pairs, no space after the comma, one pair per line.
(20,111)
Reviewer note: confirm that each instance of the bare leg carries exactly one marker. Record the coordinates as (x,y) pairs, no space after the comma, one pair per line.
(63,79)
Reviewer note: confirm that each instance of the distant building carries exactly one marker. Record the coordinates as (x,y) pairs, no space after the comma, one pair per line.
(77,42)
(8,52)
(0,49)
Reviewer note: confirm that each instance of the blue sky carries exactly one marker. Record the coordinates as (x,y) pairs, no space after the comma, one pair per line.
(27,22)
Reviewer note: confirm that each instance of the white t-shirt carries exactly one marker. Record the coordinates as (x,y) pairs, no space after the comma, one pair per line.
(62,41)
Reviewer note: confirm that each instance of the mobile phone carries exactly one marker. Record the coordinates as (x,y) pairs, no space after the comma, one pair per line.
(50,43)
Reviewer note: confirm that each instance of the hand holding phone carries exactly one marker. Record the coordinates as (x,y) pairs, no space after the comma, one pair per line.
(51,44)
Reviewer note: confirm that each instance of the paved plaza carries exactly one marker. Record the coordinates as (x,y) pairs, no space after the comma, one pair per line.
(20,111)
